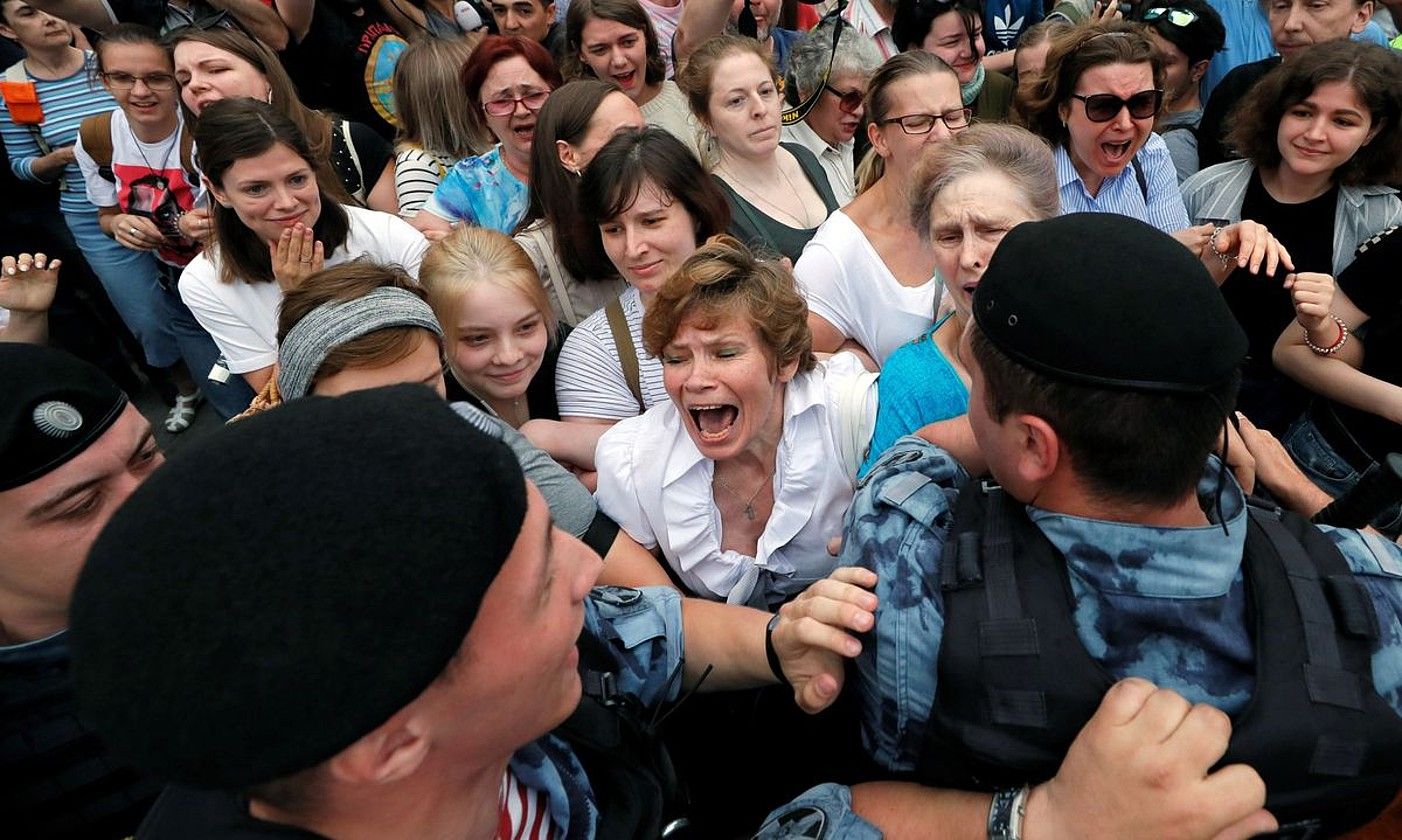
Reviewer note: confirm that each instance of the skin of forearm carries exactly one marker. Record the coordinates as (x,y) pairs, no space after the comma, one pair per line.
(728,637)
(262,20)
(1336,379)
(27,328)
(51,165)
(906,810)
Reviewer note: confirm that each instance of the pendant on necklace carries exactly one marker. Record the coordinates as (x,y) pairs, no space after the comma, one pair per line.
(750,512)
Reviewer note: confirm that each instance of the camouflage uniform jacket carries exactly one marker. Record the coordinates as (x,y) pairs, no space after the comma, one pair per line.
(1165,604)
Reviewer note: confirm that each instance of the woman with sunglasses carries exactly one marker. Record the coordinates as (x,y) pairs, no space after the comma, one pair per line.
(1095,105)
(869,276)
(838,77)
(778,193)
(510,77)
(953,30)
(1321,140)
(1187,33)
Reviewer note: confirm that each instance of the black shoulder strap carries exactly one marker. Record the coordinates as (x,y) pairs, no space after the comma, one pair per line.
(627,351)
(1140,179)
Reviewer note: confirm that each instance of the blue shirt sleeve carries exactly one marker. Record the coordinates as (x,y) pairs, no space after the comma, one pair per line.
(896,527)
(1165,205)
(642,629)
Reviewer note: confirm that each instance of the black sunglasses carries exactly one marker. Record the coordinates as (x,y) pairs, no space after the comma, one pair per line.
(849,101)
(1103,107)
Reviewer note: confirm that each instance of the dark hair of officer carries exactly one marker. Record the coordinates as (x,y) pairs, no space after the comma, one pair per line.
(1140,400)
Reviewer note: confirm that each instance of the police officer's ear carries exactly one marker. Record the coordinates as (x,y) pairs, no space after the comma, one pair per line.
(1034,451)
(390,752)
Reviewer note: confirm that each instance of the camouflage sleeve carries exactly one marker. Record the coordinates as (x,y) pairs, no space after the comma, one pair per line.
(896,527)
(642,628)
(1378,564)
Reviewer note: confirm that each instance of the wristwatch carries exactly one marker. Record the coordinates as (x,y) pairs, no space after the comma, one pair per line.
(1006,812)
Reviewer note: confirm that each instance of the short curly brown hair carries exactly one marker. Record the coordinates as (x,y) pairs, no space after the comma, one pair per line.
(1071,55)
(724,278)
(1374,72)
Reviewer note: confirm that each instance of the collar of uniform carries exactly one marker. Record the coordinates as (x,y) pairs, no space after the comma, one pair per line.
(1124,558)
(549,765)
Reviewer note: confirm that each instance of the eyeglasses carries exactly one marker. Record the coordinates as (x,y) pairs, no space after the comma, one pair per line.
(923,123)
(849,101)
(506,106)
(1177,17)
(1103,107)
(154,81)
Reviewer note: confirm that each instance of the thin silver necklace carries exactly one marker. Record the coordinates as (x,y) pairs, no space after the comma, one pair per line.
(161,181)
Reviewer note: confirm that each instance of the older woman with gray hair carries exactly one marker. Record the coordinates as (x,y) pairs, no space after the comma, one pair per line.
(965,196)
(839,77)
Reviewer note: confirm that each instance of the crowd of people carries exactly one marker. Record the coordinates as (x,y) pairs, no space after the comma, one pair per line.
(701,418)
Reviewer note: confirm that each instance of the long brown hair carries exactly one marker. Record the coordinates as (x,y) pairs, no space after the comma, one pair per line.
(231,130)
(315,126)
(433,109)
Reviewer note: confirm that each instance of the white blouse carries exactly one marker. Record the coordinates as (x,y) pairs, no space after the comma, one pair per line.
(656,485)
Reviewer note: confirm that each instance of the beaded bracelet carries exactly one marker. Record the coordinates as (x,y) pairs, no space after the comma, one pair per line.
(1225,259)
(1336,346)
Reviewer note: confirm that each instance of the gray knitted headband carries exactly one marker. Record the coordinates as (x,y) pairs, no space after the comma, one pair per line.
(332,324)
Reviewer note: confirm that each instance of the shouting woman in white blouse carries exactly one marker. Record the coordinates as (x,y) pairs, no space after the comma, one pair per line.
(742,478)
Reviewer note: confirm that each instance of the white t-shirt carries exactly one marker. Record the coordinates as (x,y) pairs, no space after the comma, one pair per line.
(242,317)
(669,110)
(665,20)
(847,284)
(149,181)
(589,379)
(656,485)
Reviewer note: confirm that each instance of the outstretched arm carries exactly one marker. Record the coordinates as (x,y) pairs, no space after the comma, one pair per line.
(27,286)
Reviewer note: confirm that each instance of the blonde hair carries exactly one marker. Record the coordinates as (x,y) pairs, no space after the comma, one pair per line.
(470,256)
(433,109)
(696,74)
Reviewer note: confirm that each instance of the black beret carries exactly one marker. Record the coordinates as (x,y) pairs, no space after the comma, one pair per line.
(53,405)
(284,586)
(1108,301)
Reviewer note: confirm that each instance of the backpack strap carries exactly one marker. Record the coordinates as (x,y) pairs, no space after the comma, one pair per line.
(16,73)
(627,351)
(95,132)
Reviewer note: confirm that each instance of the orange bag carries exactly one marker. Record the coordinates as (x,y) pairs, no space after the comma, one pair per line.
(23,101)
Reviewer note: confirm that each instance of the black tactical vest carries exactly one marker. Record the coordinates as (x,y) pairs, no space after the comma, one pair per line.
(1016,685)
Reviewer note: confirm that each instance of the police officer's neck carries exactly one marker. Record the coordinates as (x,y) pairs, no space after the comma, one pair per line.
(1074,498)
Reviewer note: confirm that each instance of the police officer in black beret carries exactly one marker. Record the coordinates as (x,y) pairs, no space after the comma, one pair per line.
(1108,544)
(72,448)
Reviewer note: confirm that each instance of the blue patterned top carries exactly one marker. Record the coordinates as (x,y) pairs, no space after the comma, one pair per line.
(1165,604)
(481,191)
(918,386)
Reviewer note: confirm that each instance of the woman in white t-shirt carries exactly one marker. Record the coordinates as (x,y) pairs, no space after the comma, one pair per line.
(614,41)
(743,476)
(868,275)
(273,227)
(653,204)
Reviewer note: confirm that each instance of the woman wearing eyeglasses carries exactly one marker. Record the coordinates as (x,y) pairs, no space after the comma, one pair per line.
(1320,136)
(777,192)
(510,77)
(868,275)
(137,166)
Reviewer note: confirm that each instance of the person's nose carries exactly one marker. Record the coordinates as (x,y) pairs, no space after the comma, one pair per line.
(508,352)
(1294,19)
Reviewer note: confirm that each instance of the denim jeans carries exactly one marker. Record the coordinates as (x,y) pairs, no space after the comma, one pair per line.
(1330,471)
(168,332)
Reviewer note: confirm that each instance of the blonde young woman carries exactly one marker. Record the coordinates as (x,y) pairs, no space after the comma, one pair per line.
(500,334)
(435,130)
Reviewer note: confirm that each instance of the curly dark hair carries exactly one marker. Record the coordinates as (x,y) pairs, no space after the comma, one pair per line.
(1374,72)
(724,278)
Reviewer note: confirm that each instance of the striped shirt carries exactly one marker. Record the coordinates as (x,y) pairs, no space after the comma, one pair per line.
(416,175)
(589,379)
(525,812)
(66,102)
(1121,194)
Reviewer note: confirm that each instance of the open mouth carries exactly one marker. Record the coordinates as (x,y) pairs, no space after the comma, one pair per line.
(524,132)
(625,80)
(714,421)
(1115,152)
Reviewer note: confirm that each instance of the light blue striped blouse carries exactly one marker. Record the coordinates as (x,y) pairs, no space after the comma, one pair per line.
(1121,194)
(66,103)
